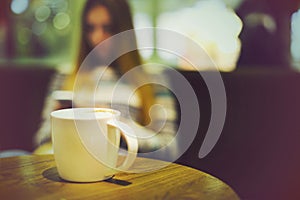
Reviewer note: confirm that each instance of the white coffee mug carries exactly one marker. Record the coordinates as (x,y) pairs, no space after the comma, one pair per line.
(86,143)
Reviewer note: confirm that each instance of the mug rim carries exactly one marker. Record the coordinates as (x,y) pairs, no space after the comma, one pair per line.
(55,114)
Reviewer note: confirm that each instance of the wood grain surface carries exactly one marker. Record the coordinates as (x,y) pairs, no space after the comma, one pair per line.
(36,177)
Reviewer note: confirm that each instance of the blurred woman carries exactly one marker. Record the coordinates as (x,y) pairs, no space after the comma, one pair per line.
(101,20)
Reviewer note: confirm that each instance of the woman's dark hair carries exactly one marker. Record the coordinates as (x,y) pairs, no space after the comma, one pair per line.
(121,20)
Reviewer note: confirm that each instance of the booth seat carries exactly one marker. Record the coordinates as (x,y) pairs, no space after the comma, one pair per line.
(24,89)
(258,151)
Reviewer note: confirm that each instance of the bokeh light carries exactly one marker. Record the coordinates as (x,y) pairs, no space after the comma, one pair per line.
(61,20)
(24,35)
(39,28)
(142,20)
(59,5)
(19,6)
(42,13)
(295,38)
(214,26)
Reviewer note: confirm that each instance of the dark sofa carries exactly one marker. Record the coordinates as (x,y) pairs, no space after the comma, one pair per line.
(23,90)
(258,151)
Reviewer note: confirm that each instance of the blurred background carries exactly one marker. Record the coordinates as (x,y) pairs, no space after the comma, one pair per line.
(254,43)
(250,33)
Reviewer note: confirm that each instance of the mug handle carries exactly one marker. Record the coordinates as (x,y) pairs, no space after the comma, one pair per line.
(131,140)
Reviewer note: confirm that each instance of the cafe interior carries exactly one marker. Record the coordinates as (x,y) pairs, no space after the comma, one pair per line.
(244,81)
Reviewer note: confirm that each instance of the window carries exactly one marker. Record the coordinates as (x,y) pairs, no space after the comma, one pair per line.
(40,31)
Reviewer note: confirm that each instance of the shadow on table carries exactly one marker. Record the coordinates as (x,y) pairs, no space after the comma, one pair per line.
(52,174)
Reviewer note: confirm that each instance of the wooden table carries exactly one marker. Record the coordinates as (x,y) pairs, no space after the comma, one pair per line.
(36,177)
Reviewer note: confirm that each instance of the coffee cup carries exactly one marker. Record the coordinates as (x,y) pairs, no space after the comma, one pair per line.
(86,143)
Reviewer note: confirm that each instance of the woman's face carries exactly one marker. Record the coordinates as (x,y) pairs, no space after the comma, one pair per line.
(98,25)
